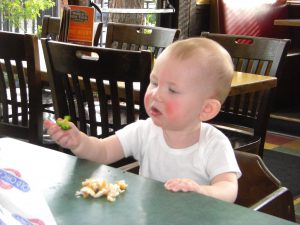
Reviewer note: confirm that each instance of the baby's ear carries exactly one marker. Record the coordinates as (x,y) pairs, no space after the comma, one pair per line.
(210,109)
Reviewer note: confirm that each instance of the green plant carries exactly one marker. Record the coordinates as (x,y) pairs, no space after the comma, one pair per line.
(18,10)
(39,31)
(151,19)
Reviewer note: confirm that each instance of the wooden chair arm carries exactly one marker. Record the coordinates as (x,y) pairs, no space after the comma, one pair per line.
(131,167)
(278,203)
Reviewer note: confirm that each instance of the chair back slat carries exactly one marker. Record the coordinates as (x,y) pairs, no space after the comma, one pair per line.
(130,111)
(3,97)
(90,106)
(22,92)
(70,108)
(98,87)
(115,104)
(12,92)
(104,107)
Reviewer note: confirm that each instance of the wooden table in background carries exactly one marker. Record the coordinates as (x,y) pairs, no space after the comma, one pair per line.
(287,22)
(243,83)
(144,202)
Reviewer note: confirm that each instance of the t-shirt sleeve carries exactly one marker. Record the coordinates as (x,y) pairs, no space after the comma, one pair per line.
(220,156)
(130,138)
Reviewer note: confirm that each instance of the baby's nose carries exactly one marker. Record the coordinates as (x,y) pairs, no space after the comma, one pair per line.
(157,94)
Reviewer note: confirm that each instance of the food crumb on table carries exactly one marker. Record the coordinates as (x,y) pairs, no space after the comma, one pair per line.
(98,187)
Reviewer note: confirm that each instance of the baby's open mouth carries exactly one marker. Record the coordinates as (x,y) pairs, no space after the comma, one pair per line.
(154,111)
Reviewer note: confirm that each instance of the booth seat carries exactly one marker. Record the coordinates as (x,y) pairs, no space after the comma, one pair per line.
(249,17)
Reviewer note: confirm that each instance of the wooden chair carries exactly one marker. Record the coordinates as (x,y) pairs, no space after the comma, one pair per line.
(139,37)
(51,29)
(260,190)
(88,88)
(244,118)
(20,92)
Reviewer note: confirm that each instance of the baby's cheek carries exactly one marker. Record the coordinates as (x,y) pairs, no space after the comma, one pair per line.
(146,99)
(171,108)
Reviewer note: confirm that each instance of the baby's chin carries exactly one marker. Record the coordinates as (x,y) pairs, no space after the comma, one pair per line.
(163,124)
(156,121)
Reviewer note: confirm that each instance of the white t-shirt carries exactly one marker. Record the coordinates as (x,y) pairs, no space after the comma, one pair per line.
(211,156)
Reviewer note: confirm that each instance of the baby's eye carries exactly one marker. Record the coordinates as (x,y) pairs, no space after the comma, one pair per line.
(153,83)
(173,91)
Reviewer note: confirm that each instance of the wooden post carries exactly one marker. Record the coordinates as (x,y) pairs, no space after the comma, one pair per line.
(126,18)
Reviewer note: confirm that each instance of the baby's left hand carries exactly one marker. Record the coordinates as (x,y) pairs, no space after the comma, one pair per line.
(181,184)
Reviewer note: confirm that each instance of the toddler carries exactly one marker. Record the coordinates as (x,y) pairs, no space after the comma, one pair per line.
(190,80)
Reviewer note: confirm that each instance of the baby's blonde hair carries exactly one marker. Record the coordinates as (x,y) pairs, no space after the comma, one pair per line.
(212,59)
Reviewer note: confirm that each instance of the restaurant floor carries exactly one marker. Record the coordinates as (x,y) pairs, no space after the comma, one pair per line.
(290,145)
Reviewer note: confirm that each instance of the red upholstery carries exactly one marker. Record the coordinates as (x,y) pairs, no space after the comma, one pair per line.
(252,17)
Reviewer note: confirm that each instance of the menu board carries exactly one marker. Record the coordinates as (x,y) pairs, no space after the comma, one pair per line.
(81,24)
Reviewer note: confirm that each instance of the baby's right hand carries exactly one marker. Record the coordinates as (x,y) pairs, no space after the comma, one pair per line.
(69,139)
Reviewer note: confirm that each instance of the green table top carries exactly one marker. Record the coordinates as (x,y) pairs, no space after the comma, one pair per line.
(144,202)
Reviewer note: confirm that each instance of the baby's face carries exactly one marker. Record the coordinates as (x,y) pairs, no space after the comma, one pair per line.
(176,93)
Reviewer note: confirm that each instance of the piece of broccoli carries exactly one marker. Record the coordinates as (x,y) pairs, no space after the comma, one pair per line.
(64,123)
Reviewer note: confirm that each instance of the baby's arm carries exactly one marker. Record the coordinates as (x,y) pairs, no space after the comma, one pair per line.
(105,151)
(223,186)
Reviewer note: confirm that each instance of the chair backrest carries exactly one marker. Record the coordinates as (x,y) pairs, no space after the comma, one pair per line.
(89,89)
(20,87)
(260,190)
(51,29)
(139,37)
(257,55)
